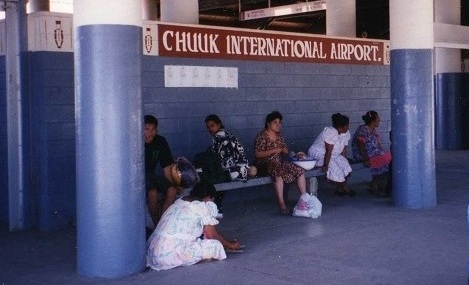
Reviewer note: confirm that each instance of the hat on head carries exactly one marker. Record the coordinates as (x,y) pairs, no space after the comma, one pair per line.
(183,173)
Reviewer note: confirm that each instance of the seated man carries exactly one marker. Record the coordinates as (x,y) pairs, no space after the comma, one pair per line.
(157,151)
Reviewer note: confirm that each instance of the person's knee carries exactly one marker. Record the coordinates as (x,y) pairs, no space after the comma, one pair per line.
(152,195)
(171,194)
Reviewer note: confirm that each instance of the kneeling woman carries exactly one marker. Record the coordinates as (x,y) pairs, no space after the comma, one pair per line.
(329,149)
(186,233)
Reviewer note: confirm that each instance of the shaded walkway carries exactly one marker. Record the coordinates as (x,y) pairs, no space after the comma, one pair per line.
(360,240)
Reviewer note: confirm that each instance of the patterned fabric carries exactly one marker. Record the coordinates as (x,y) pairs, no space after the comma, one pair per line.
(231,153)
(176,240)
(373,147)
(274,165)
(339,167)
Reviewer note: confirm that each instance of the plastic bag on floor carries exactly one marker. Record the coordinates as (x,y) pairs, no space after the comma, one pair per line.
(308,206)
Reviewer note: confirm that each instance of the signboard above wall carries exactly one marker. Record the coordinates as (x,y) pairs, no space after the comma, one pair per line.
(283,10)
(49,31)
(175,40)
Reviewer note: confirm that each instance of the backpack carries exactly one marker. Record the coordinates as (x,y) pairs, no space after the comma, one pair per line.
(209,168)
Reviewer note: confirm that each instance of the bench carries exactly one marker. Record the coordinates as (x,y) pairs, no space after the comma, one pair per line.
(310,175)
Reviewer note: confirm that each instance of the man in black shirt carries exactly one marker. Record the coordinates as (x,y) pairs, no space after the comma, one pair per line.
(157,151)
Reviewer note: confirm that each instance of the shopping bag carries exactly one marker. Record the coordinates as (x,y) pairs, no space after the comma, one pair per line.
(308,206)
(314,207)
(302,207)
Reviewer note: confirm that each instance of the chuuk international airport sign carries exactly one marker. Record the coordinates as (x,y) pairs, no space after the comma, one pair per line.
(222,43)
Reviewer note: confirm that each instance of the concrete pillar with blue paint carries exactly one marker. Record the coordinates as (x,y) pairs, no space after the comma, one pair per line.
(412,103)
(18,123)
(448,79)
(341,18)
(109,138)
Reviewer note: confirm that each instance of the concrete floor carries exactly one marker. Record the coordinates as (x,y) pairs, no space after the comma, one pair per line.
(359,240)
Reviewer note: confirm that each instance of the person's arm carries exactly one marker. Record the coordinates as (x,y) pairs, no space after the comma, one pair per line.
(167,173)
(344,151)
(361,149)
(211,232)
(260,149)
(327,156)
(268,153)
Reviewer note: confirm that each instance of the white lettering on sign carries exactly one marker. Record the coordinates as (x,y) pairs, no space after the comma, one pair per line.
(360,52)
(190,42)
(243,45)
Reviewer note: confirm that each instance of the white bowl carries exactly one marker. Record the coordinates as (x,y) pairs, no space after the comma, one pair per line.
(305,164)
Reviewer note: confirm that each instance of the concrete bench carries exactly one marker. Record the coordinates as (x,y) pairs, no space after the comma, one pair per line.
(310,175)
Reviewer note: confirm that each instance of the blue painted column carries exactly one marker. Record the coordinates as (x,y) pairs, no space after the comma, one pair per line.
(18,141)
(109,138)
(412,104)
(448,79)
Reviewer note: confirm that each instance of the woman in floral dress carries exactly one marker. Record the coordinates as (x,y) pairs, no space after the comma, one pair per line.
(269,149)
(366,146)
(186,233)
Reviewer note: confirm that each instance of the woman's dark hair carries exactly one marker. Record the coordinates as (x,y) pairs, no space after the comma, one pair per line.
(151,120)
(203,189)
(214,118)
(272,116)
(369,117)
(339,120)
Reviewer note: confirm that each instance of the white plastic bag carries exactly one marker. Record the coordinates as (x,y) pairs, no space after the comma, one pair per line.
(315,207)
(308,206)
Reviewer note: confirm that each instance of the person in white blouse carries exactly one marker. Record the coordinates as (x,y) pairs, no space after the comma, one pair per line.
(330,149)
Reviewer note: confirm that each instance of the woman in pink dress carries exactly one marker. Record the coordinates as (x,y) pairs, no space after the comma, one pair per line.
(269,149)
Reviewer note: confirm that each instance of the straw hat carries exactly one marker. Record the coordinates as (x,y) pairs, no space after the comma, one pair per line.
(183,173)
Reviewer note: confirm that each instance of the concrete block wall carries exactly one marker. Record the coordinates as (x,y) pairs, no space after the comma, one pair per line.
(306,94)
(53,138)
(3,145)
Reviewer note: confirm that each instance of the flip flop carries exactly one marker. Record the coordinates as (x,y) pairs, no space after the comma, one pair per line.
(286,212)
(233,250)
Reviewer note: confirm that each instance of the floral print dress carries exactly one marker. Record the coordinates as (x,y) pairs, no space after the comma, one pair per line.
(231,154)
(274,165)
(373,147)
(176,240)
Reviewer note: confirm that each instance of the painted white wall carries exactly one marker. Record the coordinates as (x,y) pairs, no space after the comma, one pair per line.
(93,12)
(180,11)
(447,60)
(341,18)
(411,24)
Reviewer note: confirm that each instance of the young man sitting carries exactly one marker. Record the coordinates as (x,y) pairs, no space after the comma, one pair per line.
(157,151)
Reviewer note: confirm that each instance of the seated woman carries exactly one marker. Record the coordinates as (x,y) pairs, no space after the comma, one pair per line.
(186,233)
(228,149)
(330,149)
(366,146)
(269,149)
